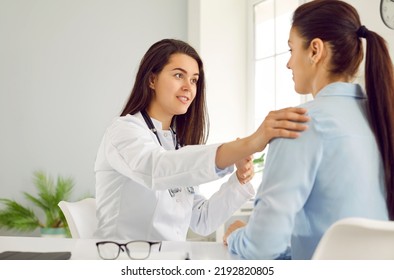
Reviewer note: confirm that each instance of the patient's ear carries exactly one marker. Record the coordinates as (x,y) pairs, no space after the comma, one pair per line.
(317,50)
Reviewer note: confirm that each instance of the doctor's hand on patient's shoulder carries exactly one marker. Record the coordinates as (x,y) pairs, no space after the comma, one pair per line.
(234,226)
(286,123)
(245,170)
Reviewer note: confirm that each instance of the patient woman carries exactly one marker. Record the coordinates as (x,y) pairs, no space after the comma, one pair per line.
(342,166)
(152,158)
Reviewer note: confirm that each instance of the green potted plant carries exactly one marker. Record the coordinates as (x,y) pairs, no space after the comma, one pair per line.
(18,217)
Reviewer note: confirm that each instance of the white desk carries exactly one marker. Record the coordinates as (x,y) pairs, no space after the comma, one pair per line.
(85,249)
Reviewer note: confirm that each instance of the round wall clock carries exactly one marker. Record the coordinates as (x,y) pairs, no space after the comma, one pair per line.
(387,12)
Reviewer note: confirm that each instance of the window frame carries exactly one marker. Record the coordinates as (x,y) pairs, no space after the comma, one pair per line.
(251,67)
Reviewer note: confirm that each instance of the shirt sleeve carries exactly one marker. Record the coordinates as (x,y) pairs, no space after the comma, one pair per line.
(209,214)
(288,179)
(130,148)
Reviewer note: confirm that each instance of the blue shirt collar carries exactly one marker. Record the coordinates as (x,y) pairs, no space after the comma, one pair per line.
(342,89)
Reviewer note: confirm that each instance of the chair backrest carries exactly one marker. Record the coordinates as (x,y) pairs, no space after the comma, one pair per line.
(357,239)
(80,216)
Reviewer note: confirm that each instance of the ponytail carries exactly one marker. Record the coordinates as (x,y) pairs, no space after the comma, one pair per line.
(379,85)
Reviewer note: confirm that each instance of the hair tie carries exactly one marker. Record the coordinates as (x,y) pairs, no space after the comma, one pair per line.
(362,31)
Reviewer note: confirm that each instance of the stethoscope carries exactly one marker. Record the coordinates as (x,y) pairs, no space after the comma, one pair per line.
(152,128)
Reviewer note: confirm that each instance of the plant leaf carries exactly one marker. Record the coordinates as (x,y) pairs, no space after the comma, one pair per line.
(49,195)
(16,216)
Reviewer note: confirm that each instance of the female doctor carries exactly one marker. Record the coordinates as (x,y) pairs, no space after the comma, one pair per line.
(151,159)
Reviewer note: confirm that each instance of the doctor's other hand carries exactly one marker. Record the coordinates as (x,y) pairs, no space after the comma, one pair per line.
(286,123)
(234,226)
(245,170)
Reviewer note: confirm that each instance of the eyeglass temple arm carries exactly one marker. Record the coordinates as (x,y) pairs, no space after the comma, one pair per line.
(158,242)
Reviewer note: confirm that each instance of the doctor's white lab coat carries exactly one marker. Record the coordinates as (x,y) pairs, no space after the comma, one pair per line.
(134,173)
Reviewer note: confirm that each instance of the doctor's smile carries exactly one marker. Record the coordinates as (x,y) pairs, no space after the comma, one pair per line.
(184,99)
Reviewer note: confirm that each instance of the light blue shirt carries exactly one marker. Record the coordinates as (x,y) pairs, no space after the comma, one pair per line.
(332,171)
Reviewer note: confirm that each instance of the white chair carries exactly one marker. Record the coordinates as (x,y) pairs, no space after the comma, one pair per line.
(357,239)
(80,216)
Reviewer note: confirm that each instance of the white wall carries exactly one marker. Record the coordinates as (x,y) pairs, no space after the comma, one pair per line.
(66,69)
(369,11)
(217,28)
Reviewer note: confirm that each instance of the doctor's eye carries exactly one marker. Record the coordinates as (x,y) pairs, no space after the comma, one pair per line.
(178,75)
(194,81)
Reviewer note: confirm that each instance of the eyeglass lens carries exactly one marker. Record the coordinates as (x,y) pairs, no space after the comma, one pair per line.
(138,250)
(109,250)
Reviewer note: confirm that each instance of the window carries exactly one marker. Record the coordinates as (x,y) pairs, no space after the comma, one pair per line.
(272,86)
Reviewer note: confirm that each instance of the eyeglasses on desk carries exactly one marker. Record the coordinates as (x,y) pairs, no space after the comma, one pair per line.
(135,250)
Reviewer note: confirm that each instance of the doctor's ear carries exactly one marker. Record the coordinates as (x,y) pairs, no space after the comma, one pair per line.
(152,80)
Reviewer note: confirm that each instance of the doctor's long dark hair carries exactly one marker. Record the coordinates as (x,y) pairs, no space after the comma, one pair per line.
(193,126)
(338,24)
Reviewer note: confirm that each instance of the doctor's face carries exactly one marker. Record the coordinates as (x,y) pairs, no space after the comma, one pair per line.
(174,87)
